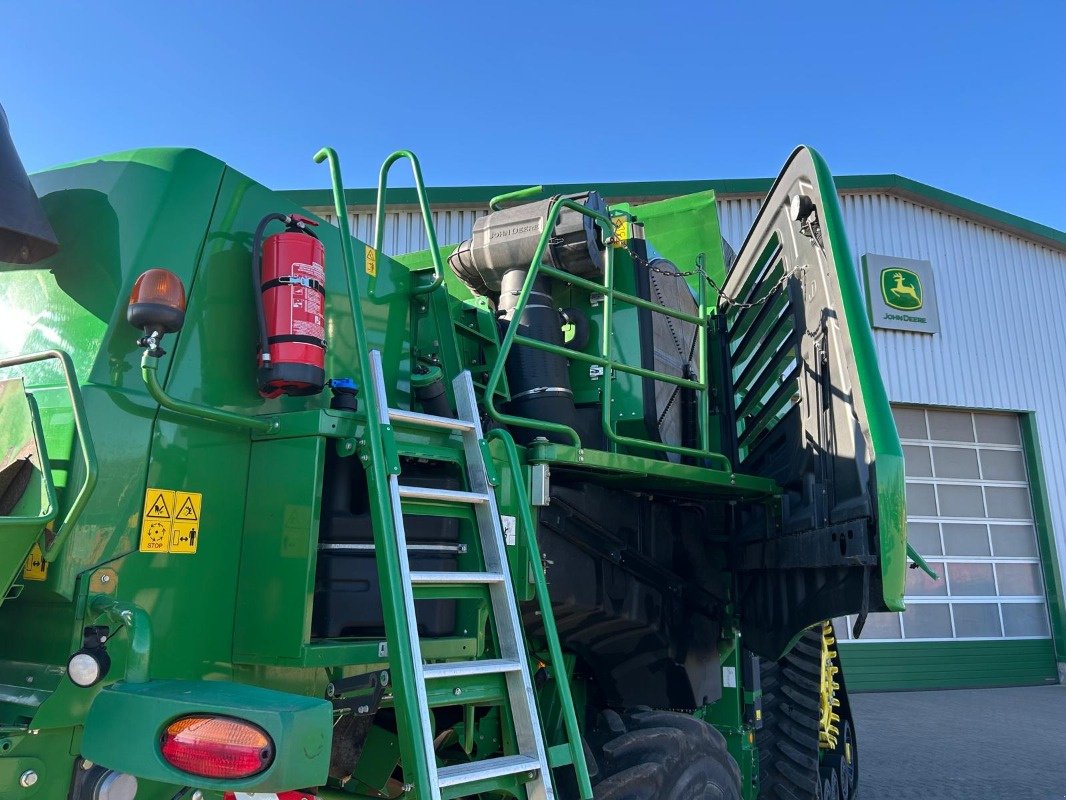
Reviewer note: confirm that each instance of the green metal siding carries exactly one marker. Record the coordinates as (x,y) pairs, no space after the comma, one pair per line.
(948,665)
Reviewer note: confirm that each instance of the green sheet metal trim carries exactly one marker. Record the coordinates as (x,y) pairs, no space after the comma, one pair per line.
(889,666)
(1056,598)
(890,183)
(648,473)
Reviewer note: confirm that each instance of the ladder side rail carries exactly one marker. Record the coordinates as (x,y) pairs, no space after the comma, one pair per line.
(402,576)
(523,701)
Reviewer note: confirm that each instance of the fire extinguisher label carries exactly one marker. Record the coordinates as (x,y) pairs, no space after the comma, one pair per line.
(307,315)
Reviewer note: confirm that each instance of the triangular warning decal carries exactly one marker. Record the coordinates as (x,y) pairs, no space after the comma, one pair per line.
(158,509)
(187,510)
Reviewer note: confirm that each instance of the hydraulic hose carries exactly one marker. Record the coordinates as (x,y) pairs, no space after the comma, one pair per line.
(257,282)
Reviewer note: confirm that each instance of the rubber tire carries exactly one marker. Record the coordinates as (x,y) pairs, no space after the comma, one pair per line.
(788,739)
(659,755)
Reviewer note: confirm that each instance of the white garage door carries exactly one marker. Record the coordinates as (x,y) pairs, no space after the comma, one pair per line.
(969,514)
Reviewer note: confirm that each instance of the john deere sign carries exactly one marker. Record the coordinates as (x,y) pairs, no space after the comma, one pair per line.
(900,293)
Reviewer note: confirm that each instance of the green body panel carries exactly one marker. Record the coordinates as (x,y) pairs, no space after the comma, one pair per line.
(229,629)
(873,666)
(127,720)
(887,452)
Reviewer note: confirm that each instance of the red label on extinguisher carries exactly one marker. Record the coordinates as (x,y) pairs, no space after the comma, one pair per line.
(268,796)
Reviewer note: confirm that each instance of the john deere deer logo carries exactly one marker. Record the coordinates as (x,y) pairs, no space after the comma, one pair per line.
(901,288)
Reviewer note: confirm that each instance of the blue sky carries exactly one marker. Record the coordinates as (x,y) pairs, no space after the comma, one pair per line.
(969,97)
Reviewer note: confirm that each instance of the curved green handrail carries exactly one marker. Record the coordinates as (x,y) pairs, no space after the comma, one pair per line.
(85,442)
(427,216)
(512,330)
(149,366)
(517,194)
(605,359)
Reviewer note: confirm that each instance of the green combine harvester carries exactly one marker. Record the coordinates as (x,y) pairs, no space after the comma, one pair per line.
(563,511)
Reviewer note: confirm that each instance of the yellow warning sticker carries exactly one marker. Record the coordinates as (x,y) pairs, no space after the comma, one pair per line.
(158,503)
(36,568)
(184,537)
(171,521)
(371,261)
(621,230)
(188,506)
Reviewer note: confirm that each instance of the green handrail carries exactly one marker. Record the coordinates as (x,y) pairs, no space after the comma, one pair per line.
(547,616)
(85,442)
(427,216)
(512,330)
(417,768)
(605,359)
(703,451)
(517,194)
(149,367)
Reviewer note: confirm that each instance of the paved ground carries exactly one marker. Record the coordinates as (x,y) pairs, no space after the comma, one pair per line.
(967,744)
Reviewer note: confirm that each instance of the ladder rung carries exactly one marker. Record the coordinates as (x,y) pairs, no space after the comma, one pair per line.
(487,768)
(429,420)
(445,495)
(423,578)
(459,669)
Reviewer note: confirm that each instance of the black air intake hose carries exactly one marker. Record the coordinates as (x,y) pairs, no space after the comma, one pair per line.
(539,381)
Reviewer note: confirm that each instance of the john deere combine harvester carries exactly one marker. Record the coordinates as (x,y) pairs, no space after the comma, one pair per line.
(559,512)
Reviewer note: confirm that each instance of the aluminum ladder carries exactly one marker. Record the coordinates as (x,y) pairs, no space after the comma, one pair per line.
(532,758)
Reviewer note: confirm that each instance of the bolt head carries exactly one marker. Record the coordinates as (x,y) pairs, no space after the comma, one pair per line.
(197,795)
(457,691)
(28,778)
(105,578)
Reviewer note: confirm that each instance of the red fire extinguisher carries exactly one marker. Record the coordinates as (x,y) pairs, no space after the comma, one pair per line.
(289,273)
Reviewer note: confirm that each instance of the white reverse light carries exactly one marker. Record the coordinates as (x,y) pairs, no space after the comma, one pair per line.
(84,669)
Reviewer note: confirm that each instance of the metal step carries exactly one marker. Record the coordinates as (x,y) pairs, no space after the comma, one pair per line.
(428,420)
(370,547)
(459,669)
(488,768)
(443,495)
(424,578)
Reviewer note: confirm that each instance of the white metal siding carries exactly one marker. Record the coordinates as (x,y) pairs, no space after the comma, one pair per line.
(1002,343)
(404,231)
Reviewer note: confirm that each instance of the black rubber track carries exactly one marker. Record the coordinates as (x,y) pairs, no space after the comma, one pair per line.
(659,755)
(788,739)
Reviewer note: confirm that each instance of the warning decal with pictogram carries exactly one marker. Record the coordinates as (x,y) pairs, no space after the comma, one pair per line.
(35,568)
(171,522)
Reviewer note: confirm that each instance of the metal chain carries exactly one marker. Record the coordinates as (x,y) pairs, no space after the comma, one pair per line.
(778,286)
